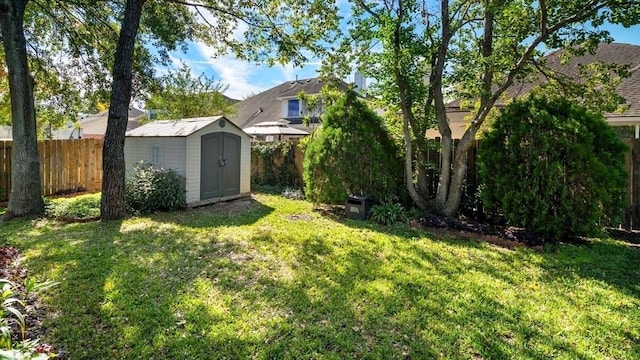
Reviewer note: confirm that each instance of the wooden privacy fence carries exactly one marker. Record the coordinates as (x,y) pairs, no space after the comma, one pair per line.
(631,216)
(276,164)
(65,165)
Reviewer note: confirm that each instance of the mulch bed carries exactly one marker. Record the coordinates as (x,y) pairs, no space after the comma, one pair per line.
(33,310)
(8,265)
(628,236)
(505,236)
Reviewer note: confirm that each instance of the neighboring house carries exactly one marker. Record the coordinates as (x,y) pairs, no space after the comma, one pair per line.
(281,103)
(614,53)
(212,153)
(69,131)
(95,126)
(5,132)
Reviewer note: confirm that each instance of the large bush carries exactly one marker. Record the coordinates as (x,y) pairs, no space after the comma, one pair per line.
(553,167)
(351,154)
(150,189)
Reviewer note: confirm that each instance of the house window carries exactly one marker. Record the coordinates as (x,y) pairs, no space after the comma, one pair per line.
(293,108)
(155,155)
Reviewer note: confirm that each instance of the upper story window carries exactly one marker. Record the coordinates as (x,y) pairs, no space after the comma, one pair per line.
(293,108)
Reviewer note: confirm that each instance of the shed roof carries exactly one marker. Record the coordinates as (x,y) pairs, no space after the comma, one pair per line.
(178,128)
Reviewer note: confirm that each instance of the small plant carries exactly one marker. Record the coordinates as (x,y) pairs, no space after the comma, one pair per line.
(293,194)
(388,213)
(150,189)
(79,207)
(11,313)
(12,318)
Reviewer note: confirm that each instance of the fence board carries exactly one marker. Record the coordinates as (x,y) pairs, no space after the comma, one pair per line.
(634,182)
(5,169)
(65,165)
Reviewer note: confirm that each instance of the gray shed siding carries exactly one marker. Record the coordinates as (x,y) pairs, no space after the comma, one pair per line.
(182,153)
(172,152)
(193,159)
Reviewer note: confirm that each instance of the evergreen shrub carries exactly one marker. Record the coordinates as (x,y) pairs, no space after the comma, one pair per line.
(351,154)
(553,167)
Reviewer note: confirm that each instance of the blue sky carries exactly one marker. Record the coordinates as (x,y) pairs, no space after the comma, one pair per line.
(244,78)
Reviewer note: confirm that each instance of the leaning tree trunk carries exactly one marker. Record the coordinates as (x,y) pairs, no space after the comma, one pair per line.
(459,172)
(112,202)
(26,189)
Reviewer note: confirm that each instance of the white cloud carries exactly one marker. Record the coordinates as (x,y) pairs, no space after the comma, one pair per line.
(288,71)
(231,71)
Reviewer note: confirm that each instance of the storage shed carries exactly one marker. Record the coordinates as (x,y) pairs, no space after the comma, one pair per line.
(212,153)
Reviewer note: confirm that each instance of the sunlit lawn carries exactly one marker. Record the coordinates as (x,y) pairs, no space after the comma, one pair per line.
(280,280)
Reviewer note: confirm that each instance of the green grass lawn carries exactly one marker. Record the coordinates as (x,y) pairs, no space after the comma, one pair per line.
(279,280)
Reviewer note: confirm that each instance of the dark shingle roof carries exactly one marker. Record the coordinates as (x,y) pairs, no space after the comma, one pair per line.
(614,53)
(267,105)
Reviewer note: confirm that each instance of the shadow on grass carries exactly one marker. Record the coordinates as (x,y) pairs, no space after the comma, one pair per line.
(244,211)
(118,285)
(171,290)
(612,262)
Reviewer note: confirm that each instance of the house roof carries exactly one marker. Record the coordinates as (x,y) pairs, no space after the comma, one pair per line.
(267,105)
(173,128)
(96,124)
(613,53)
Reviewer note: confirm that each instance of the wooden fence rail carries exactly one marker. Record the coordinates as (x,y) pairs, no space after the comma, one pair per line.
(65,165)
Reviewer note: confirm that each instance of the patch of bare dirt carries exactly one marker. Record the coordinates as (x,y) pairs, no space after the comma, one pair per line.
(492,233)
(299,217)
(232,207)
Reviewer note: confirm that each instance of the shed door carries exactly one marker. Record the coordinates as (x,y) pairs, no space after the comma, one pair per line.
(220,165)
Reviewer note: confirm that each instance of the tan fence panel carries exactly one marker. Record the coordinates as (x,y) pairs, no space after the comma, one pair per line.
(631,216)
(65,166)
(5,169)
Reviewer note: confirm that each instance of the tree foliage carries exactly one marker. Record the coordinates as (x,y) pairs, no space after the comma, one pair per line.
(424,52)
(258,30)
(183,96)
(352,154)
(553,167)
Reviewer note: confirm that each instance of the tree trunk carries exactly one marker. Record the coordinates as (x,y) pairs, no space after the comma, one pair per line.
(446,144)
(26,189)
(460,170)
(421,157)
(408,166)
(112,204)
(455,187)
